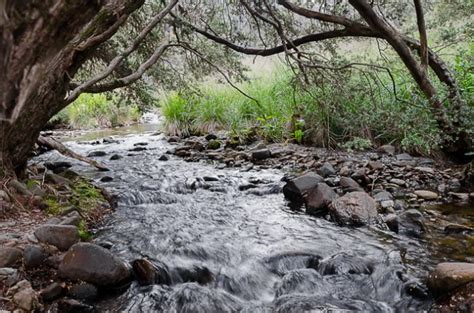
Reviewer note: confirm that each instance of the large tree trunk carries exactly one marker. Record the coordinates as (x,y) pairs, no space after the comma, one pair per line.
(43,44)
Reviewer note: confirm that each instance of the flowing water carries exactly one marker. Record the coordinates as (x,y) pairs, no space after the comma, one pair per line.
(228,248)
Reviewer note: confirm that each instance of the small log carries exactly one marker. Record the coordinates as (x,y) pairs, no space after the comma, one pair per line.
(51,143)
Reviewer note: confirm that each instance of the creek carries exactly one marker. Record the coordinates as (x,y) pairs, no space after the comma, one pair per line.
(232,248)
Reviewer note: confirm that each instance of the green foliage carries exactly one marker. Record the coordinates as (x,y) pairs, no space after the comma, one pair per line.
(357,143)
(352,112)
(84,232)
(97,110)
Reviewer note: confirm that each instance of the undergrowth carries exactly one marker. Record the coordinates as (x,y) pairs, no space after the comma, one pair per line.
(350,114)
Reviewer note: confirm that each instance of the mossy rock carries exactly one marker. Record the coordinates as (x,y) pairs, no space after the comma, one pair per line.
(214,144)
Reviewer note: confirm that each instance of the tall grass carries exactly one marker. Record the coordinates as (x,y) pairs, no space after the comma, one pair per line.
(349,113)
(97,111)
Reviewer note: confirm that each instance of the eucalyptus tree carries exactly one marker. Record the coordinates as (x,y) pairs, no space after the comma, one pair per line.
(293,28)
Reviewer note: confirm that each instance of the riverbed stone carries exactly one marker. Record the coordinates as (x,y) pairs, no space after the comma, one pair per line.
(326,170)
(388,149)
(296,189)
(412,223)
(319,199)
(97,154)
(426,194)
(261,154)
(449,276)
(34,256)
(52,291)
(24,297)
(354,209)
(83,291)
(349,185)
(60,236)
(93,264)
(9,256)
(116,157)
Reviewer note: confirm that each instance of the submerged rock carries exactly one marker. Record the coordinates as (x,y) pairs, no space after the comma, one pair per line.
(449,276)
(95,265)
(97,154)
(148,273)
(344,263)
(354,209)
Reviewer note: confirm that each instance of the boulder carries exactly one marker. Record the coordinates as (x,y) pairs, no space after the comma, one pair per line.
(349,185)
(319,199)
(354,209)
(95,265)
(426,194)
(392,222)
(51,292)
(9,256)
(261,154)
(73,306)
(375,165)
(163,157)
(326,170)
(106,179)
(449,276)
(459,300)
(296,189)
(72,218)
(34,256)
(60,236)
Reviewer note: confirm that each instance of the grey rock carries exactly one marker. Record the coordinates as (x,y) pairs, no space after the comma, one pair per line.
(4,196)
(72,218)
(326,170)
(24,296)
(449,276)
(9,256)
(116,157)
(425,169)
(106,179)
(97,154)
(397,181)
(83,291)
(383,196)
(93,264)
(60,236)
(403,157)
(319,199)
(163,157)
(52,292)
(388,149)
(298,188)
(261,154)
(375,165)
(426,194)
(412,223)
(74,306)
(34,256)
(148,273)
(354,209)
(349,185)
(392,222)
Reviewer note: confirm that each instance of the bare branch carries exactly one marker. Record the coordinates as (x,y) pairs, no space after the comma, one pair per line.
(117,60)
(420,20)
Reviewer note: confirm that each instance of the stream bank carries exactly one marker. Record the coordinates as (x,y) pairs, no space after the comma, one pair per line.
(224,238)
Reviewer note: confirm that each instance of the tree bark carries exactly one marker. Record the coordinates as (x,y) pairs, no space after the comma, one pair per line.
(43,44)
